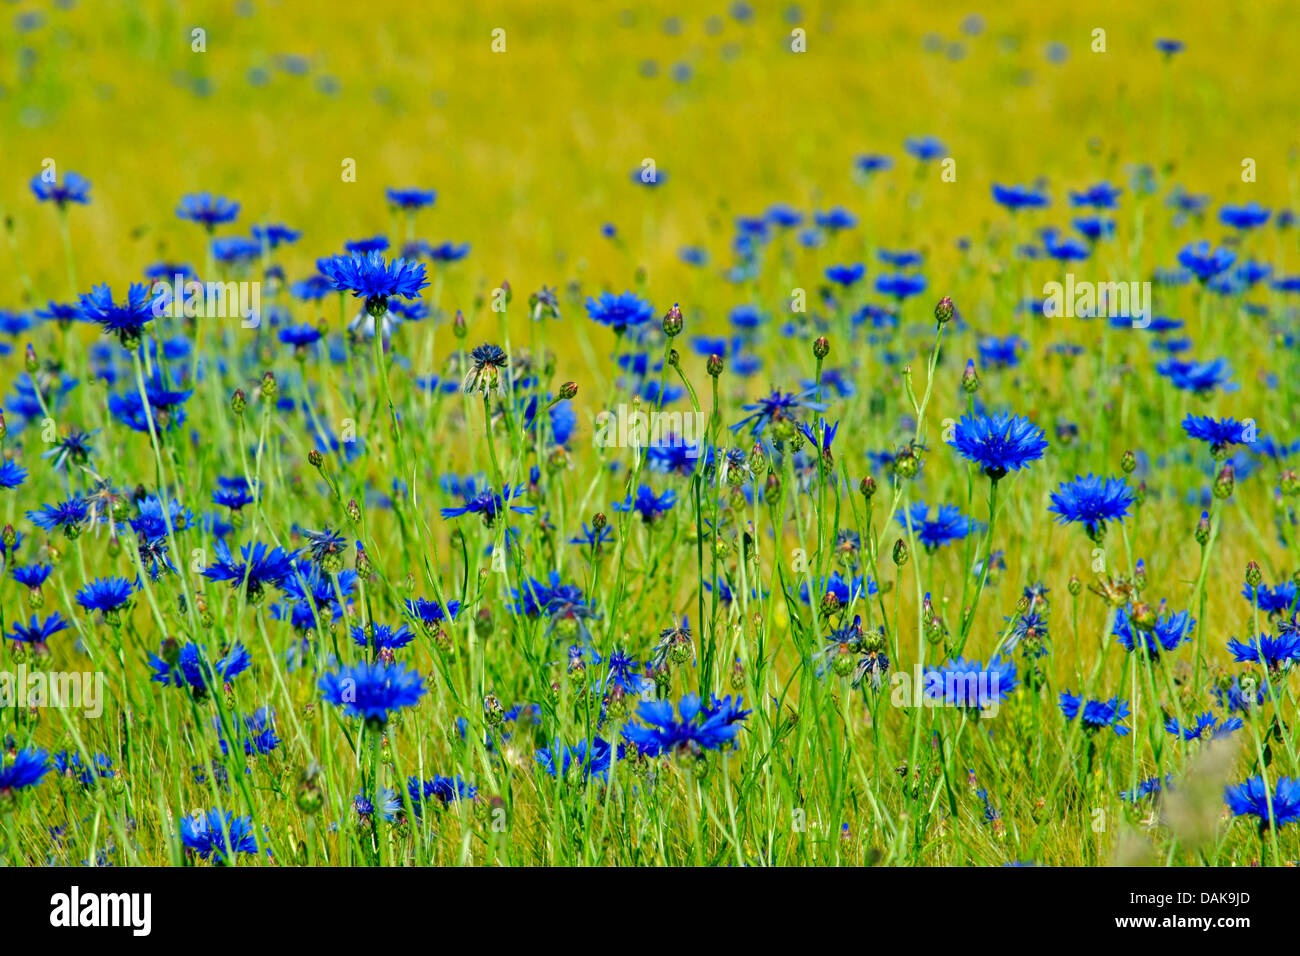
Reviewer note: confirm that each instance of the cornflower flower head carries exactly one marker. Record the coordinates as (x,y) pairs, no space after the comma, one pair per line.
(367,276)
(694,729)
(27,769)
(998,443)
(207,209)
(490,505)
(1096,714)
(1092,502)
(216,836)
(373,692)
(1157,636)
(75,188)
(1252,798)
(949,524)
(1206,723)
(489,371)
(970,685)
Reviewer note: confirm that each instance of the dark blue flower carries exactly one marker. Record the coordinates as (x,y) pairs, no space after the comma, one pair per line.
(1165,634)
(127,319)
(488,505)
(1272,600)
(1272,652)
(105,595)
(1217,433)
(1249,216)
(372,691)
(1205,263)
(410,199)
(12,474)
(647,504)
(74,188)
(1096,713)
(28,768)
(261,567)
(1092,502)
(369,277)
(1205,724)
(216,835)
(998,443)
(969,684)
(949,524)
(620,312)
(1020,197)
(1251,798)
(191,668)
(694,729)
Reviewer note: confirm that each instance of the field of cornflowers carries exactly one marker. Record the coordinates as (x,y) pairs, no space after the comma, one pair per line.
(790,434)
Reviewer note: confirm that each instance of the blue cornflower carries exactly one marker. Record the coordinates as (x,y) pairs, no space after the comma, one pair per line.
(624,672)
(215,835)
(594,759)
(1273,652)
(1252,799)
(872,163)
(448,251)
(594,538)
(367,276)
(68,515)
(1275,600)
(1206,723)
(127,319)
(998,443)
(12,474)
(207,209)
(32,576)
(410,199)
(1000,353)
(1217,433)
(1099,196)
(258,736)
(29,767)
(1165,634)
(75,188)
(261,566)
(489,371)
(382,637)
(846,275)
(445,790)
(1199,377)
(1203,262)
(106,595)
(1092,501)
(620,312)
(68,763)
(900,285)
(191,668)
(327,549)
(430,613)
(949,524)
(695,728)
(372,691)
(646,503)
(845,590)
(274,235)
(1169,47)
(777,409)
(1020,197)
(488,505)
(73,446)
(36,632)
(233,492)
(924,148)
(835,219)
(1249,216)
(1096,713)
(365,807)
(969,684)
